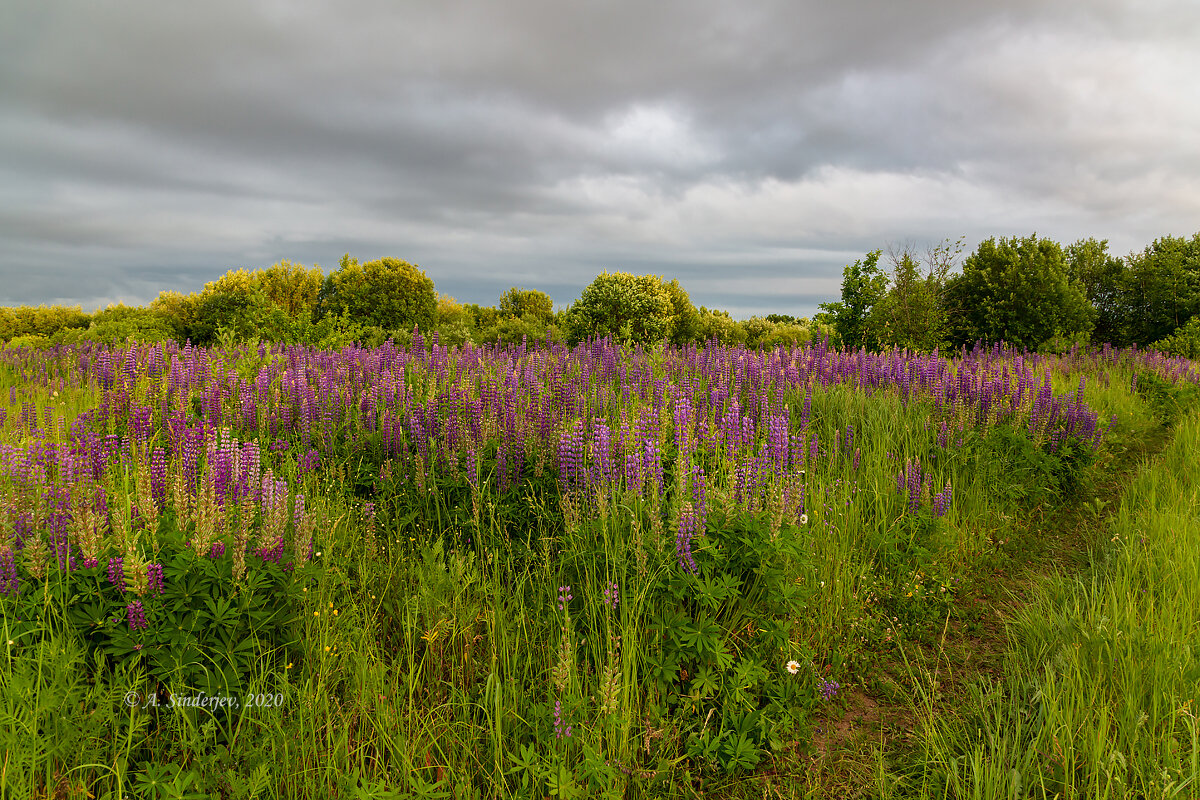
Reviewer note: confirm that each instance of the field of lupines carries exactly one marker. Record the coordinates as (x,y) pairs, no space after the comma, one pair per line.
(481,572)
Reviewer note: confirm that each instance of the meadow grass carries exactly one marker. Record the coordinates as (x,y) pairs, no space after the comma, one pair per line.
(460,632)
(1103,668)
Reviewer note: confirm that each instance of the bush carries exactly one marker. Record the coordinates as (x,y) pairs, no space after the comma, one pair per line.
(118,323)
(632,308)
(387,292)
(719,327)
(1184,342)
(527,303)
(1019,291)
(42,321)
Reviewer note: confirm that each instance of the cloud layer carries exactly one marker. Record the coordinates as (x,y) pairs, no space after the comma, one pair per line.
(750,152)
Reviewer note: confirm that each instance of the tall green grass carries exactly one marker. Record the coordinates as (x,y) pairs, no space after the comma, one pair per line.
(1102,683)
(436,675)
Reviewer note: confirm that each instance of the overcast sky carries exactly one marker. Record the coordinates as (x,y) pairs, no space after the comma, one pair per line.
(750,149)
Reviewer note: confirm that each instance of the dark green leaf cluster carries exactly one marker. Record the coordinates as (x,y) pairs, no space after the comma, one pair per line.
(206,631)
(719,642)
(1018,290)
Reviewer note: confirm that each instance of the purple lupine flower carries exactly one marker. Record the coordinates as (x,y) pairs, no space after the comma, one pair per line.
(116,572)
(272,552)
(308,462)
(158,475)
(611,595)
(941,500)
(154,575)
(136,614)
(9,586)
(688,524)
(829,689)
(216,550)
(913,480)
(561,731)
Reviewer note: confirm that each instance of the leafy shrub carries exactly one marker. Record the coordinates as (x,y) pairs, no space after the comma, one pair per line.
(719,327)
(200,630)
(633,308)
(119,323)
(527,303)
(1184,342)
(387,292)
(720,639)
(44,321)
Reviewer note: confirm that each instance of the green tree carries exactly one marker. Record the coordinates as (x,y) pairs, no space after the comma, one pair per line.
(117,323)
(1104,280)
(1018,290)
(530,303)
(44,321)
(633,308)
(719,327)
(685,327)
(1162,288)
(387,293)
(234,308)
(863,285)
(912,314)
(453,322)
(292,287)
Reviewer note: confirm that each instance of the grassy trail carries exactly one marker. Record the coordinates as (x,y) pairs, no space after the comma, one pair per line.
(906,733)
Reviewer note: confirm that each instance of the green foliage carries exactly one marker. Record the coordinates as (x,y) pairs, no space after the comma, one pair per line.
(207,632)
(234,308)
(685,319)
(118,323)
(719,642)
(863,286)
(784,319)
(49,698)
(42,321)
(1019,291)
(1161,288)
(1102,277)
(389,293)
(1169,401)
(760,332)
(523,314)
(630,307)
(911,315)
(291,287)
(719,327)
(1184,342)
(527,303)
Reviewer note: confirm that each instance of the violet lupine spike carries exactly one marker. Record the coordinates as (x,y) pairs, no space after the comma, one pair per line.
(154,575)
(688,524)
(9,584)
(136,614)
(116,572)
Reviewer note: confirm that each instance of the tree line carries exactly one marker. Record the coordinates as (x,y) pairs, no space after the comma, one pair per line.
(1028,291)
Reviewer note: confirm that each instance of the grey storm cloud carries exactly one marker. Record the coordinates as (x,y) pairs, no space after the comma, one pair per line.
(749,150)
